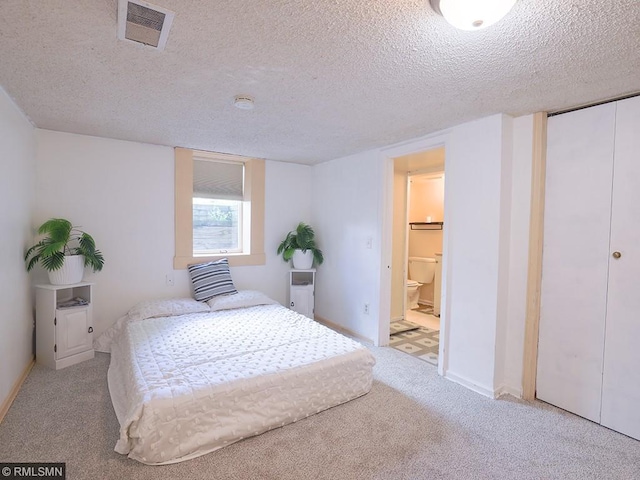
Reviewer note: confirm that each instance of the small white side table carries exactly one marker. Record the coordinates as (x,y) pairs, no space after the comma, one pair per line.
(64,336)
(302,291)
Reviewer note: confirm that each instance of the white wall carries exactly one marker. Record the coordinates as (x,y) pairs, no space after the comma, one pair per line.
(477,195)
(288,202)
(17,168)
(484,253)
(122,193)
(519,252)
(345,213)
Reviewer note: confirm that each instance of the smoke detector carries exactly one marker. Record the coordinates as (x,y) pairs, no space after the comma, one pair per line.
(144,23)
(243,102)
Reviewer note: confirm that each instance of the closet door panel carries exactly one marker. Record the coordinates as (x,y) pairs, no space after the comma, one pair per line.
(575,259)
(621,380)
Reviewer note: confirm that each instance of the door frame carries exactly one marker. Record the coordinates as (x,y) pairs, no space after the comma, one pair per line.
(387,157)
(534,273)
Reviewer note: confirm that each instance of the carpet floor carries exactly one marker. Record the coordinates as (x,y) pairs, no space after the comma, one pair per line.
(412,425)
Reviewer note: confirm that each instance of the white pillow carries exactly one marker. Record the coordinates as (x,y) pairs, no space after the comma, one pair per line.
(242,299)
(166,308)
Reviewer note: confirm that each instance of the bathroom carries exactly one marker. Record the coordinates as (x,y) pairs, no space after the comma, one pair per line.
(415,326)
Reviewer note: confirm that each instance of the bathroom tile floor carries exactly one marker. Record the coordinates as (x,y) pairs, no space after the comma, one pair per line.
(423,343)
(423,319)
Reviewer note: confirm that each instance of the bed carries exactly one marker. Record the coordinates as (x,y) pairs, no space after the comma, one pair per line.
(187,378)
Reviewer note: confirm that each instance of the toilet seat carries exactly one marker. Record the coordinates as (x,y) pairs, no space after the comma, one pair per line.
(412,283)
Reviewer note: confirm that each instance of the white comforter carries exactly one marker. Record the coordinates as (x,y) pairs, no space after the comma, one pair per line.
(186,385)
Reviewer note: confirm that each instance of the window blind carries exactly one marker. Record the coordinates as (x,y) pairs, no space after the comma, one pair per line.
(216,179)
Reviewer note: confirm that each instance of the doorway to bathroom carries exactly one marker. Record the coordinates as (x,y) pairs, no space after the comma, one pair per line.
(417,245)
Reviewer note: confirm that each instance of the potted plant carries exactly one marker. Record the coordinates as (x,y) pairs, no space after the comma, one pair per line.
(300,245)
(64,252)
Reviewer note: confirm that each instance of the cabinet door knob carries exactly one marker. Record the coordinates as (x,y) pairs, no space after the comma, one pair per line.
(617,255)
(292,304)
(90,329)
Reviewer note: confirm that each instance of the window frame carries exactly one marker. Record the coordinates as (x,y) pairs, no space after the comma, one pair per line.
(253,214)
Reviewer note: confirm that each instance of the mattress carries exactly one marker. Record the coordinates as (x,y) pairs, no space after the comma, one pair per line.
(186,385)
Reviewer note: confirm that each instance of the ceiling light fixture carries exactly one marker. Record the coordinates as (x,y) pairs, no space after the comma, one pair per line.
(472,14)
(243,102)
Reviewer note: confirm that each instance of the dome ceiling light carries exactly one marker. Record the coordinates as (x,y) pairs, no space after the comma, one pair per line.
(472,14)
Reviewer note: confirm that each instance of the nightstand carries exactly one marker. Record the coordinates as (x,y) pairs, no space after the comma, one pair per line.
(64,327)
(302,291)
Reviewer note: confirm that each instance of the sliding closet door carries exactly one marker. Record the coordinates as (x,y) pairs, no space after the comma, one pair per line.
(621,381)
(575,259)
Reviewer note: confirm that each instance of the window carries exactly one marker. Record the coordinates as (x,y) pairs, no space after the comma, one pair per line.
(219,208)
(218,203)
(217,226)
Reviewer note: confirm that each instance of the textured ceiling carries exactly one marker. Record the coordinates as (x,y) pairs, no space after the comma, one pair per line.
(329,77)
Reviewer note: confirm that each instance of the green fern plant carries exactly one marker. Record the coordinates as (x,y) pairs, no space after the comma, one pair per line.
(302,238)
(62,239)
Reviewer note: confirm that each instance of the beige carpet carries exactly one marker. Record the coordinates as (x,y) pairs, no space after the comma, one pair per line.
(412,425)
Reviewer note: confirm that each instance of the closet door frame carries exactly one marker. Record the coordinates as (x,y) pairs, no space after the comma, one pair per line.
(534,273)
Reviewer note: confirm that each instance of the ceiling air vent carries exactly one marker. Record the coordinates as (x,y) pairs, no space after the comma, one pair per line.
(144,23)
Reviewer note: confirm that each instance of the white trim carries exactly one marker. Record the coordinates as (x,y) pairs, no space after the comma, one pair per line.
(405,266)
(339,328)
(385,209)
(465,382)
(508,390)
(13,393)
(387,156)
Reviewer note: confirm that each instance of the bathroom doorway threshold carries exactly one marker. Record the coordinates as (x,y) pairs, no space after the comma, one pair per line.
(423,319)
(422,343)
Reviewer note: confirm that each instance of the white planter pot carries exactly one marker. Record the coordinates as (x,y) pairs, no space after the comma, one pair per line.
(302,261)
(71,272)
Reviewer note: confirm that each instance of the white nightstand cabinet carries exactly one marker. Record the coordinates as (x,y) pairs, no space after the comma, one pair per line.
(64,336)
(301,291)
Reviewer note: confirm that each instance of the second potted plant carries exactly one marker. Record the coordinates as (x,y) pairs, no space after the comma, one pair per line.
(64,252)
(300,246)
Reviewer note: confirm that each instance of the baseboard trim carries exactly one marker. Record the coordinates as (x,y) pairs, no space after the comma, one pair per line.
(6,404)
(339,328)
(465,382)
(508,390)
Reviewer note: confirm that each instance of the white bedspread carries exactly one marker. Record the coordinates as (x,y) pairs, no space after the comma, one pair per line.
(186,385)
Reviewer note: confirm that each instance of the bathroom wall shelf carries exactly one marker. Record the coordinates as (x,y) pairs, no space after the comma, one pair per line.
(426,225)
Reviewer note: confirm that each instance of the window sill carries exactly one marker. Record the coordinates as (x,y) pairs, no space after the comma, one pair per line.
(235,260)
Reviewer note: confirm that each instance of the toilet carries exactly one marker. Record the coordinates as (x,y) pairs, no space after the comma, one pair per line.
(421,272)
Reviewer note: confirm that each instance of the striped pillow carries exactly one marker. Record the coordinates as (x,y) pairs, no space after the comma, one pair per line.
(211,279)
